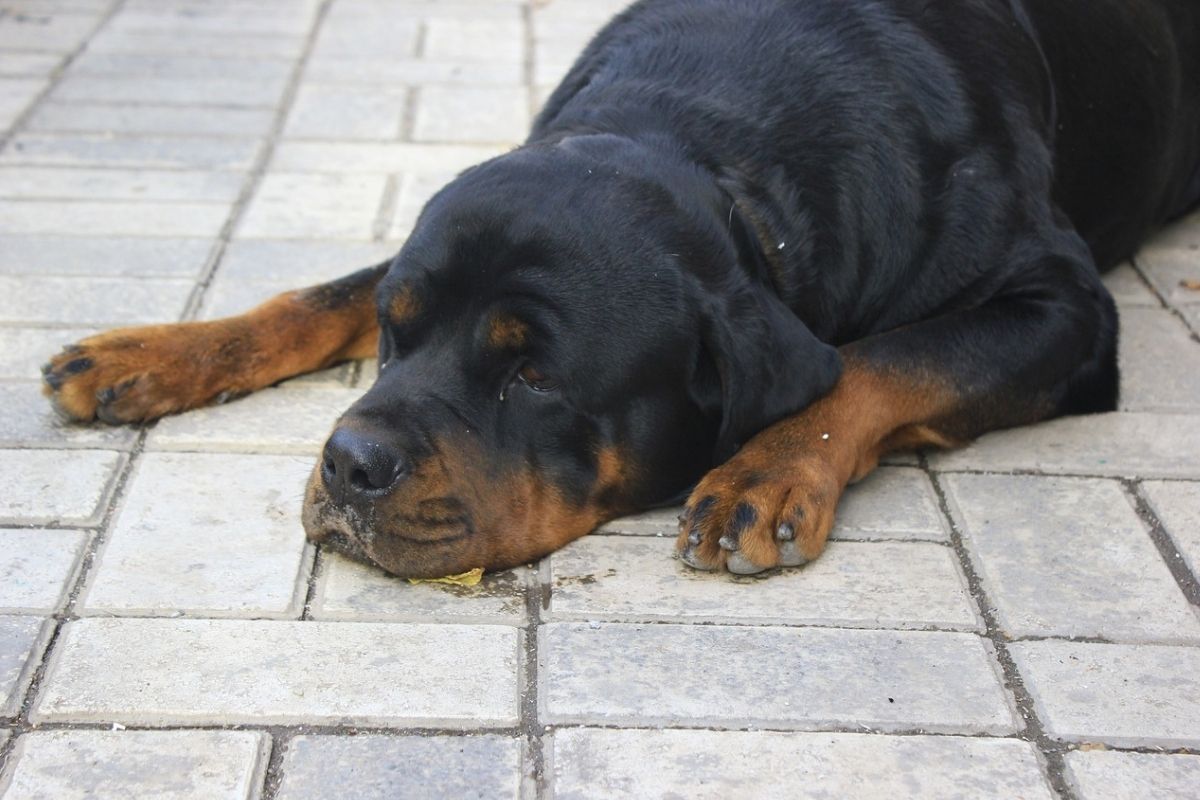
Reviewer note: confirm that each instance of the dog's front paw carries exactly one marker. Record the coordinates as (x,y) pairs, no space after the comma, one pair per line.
(133,374)
(747,517)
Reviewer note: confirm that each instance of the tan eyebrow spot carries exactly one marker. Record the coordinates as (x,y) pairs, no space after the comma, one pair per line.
(404,306)
(505,331)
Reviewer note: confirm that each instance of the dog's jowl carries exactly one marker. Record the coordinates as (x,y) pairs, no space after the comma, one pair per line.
(748,248)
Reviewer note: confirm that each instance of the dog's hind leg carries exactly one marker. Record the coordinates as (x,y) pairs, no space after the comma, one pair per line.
(137,374)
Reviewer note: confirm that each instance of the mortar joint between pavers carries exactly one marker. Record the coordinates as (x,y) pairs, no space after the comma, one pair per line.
(1137,269)
(314,575)
(57,74)
(259,168)
(87,561)
(533,767)
(1167,548)
(1051,751)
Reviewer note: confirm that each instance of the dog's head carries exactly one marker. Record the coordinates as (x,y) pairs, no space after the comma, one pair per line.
(567,336)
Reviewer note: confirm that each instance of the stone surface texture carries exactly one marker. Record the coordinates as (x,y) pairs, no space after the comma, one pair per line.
(1019,618)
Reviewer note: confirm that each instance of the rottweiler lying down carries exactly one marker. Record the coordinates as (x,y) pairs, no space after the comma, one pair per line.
(749,247)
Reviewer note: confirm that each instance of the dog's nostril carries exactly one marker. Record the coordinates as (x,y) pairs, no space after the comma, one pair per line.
(355,465)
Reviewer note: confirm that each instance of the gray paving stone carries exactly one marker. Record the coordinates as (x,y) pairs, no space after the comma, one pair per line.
(758,764)
(24,350)
(1168,267)
(380,36)
(661,522)
(376,158)
(292,419)
(1068,558)
(225,43)
(28,420)
(346,112)
(55,485)
(1100,775)
(112,256)
(229,91)
(1178,507)
(302,262)
(229,296)
(21,643)
(415,191)
(82,117)
(470,114)
(1160,362)
(102,184)
(36,568)
(474,38)
(853,584)
(193,672)
(303,206)
(185,65)
(166,765)
(56,33)
(1124,695)
(243,17)
(418,72)
(349,590)
(15,96)
(891,503)
(99,302)
(150,152)
(717,676)
(1143,444)
(205,534)
(28,65)
(1128,289)
(376,767)
(91,218)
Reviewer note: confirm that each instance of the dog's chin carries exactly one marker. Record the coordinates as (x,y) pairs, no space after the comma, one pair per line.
(411,551)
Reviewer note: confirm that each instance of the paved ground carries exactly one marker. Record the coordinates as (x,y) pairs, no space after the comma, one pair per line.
(1018,619)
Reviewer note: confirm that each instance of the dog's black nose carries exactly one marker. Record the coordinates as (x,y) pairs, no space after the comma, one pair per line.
(355,465)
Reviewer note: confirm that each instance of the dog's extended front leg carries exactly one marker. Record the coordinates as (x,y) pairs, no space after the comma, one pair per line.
(1044,346)
(137,374)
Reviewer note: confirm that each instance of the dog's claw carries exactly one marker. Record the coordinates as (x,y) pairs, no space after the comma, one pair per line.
(786,532)
(740,565)
(690,557)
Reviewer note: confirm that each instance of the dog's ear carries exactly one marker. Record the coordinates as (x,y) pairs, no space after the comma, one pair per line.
(768,362)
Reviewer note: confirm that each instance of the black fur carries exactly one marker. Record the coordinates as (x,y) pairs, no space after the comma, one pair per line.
(723,191)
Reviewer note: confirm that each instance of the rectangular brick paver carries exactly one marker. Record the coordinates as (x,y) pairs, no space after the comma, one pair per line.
(1178,506)
(1071,559)
(193,672)
(384,767)
(1099,775)
(708,675)
(55,485)
(36,568)
(715,765)
(349,590)
(166,765)
(1144,444)
(1136,695)
(226,543)
(876,585)
(21,643)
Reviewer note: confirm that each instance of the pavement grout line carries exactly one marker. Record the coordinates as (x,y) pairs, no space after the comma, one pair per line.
(82,572)
(1050,751)
(1149,284)
(56,75)
(1167,548)
(258,169)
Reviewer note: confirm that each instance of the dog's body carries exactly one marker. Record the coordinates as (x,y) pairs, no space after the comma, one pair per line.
(775,238)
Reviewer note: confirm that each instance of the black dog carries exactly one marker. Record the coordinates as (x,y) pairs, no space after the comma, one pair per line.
(766,240)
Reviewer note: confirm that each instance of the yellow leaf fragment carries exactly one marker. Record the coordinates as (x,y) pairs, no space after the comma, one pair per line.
(469,578)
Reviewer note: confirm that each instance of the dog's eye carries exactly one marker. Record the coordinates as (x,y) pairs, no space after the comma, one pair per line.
(532,377)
